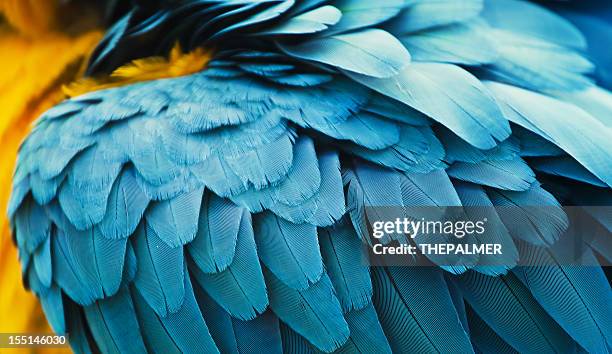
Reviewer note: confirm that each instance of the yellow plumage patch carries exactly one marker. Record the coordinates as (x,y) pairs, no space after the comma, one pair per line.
(177,64)
(33,71)
(31,17)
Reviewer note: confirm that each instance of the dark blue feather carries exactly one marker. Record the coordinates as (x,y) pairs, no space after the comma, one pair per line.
(346,265)
(510,310)
(181,332)
(370,186)
(484,339)
(367,335)
(416,311)
(314,312)
(578,298)
(534,215)
(114,325)
(566,167)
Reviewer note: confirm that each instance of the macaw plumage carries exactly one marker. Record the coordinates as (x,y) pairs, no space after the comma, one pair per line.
(214,200)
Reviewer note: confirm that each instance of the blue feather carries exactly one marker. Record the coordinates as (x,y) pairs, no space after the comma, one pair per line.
(32,226)
(154,166)
(293,342)
(394,110)
(268,69)
(533,145)
(363,13)
(428,189)
(290,251)
(265,164)
(370,186)
(404,299)
(465,43)
(538,65)
(457,298)
(301,80)
(219,322)
(364,129)
(175,221)
(79,336)
(346,265)
(159,276)
(532,20)
(480,207)
(512,174)
(42,262)
(84,207)
(92,170)
(312,21)
(534,215)
(367,335)
(97,262)
(261,332)
(371,52)
(214,246)
(66,274)
(114,325)
(53,307)
(510,310)
(240,287)
(44,190)
(595,100)
(314,312)
(184,331)
(235,336)
(421,15)
(566,167)
(578,298)
(461,102)
(573,130)
(185,183)
(270,13)
(595,25)
(300,184)
(459,150)
(484,339)
(418,150)
(125,208)
(326,206)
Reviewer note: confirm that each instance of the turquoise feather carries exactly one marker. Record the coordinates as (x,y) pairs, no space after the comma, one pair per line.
(404,299)
(290,251)
(239,289)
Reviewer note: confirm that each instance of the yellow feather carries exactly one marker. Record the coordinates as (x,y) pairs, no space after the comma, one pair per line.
(153,68)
